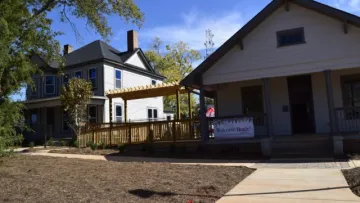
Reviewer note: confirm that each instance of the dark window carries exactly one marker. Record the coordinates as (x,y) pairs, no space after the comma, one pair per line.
(118,113)
(34,118)
(92,77)
(49,84)
(152,113)
(78,74)
(117,78)
(290,37)
(351,96)
(153,82)
(92,114)
(252,99)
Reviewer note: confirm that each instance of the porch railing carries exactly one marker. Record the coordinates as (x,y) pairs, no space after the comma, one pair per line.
(132,133)
(348,119)
(259,120)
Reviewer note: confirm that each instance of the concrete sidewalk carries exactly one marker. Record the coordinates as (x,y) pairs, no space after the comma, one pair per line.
(267,185)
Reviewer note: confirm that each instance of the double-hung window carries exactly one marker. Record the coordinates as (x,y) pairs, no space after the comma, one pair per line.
(78,74)
(351,96)
(117,78)
(92,77)
(152,113)
(118,113)
(92,114)
(49,84)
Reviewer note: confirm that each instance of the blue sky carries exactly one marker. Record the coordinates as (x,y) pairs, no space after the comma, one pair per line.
(175,20)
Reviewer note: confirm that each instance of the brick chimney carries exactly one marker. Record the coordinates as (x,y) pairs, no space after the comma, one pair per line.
(68,49)
(132,40)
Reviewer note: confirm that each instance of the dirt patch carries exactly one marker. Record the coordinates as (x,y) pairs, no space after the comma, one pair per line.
(352,177)
(87,151)
(355,156)
(46,179)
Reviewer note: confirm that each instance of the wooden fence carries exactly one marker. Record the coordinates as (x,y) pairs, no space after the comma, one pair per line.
(132,133)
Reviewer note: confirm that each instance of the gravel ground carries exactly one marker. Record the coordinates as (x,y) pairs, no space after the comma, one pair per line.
(352,177)
(46,179)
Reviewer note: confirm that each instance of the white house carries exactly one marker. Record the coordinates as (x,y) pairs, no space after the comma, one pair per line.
(295,68)
(107,68)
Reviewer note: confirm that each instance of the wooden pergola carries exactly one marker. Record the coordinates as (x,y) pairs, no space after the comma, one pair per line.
(149,91)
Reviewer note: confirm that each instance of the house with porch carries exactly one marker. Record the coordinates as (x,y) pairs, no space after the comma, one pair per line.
(107,68)
(295,69)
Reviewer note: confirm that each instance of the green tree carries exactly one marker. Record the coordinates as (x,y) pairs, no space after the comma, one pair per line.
(25,28)
(75,97)
(174,62)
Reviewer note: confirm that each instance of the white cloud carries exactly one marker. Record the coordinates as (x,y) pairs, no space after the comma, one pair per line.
(192,28)
(348,5)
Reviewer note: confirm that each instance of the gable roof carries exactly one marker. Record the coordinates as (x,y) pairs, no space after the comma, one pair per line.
(194,78)
(97,51)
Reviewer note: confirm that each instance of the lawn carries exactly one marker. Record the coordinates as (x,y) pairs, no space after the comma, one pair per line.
(352,177)
(27,178)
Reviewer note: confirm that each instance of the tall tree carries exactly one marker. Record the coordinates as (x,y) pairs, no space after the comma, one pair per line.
(174,61)
(25,28)
(75,97)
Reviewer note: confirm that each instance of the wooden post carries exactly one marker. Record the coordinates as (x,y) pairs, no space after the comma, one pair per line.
(330,100)
(129,134)
(268,106)
(174,131)
(150,134)
(93,136)
(178,104)
(125,111)
(110,110)
(204,128)
(190,116)
(110,135)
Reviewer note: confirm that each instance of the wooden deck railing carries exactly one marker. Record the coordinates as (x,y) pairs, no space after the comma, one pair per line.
(141,132)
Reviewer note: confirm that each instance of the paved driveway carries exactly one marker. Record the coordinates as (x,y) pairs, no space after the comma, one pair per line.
(292,185)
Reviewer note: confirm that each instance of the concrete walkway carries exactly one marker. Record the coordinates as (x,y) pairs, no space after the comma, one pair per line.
(268,185)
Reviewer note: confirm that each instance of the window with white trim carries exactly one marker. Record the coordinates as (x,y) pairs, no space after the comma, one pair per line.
(118,113)
(118,78)
(152,113)
(92,77)
(49,84)
(92,112)
(78,74)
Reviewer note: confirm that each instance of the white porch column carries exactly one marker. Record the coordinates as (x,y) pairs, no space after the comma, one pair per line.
(330,100)
(268,107)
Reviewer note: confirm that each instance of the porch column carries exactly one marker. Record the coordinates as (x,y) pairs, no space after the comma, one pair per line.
(110,110)
(203,122)
(330,100)
(125,111)
(178,104)
(189,105)
(268,106)
(44,124)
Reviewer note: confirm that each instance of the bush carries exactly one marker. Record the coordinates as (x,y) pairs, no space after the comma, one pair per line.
(101,145)
(50,142)
(31,144)
(89,143)
(122,148)
(75,143)
(172,148)
(93,146)
(63,143)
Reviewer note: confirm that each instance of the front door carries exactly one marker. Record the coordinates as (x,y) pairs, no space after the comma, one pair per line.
(301,104)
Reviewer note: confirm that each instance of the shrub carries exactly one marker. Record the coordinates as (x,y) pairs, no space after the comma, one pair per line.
(63,143)
(172,148)
(122,148)
(31,144)
(89,143)
(93,146)
(50,142)
(101,145)
(75,143)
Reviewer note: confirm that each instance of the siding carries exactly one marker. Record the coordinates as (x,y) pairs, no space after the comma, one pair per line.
(137,109)
(136,61)
(327,47)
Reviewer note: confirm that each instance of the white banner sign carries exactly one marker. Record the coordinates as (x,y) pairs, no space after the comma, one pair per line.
(234,128)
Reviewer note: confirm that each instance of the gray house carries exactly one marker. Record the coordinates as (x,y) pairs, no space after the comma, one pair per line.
(107,68)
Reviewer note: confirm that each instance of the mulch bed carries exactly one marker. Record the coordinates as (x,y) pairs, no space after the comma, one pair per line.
(47,179)
(86,151)
(352,177)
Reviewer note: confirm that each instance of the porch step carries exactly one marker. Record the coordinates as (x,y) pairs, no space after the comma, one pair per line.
(302,147)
